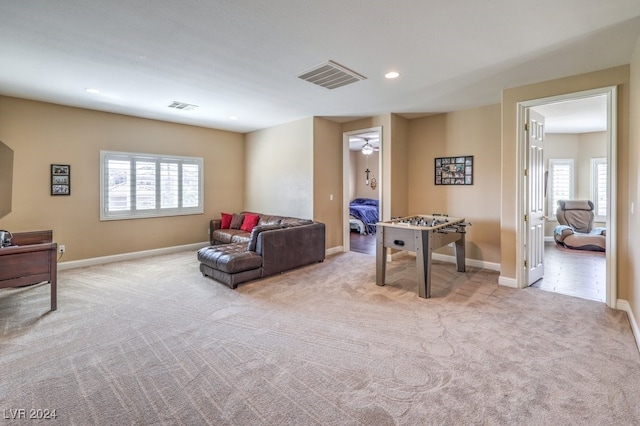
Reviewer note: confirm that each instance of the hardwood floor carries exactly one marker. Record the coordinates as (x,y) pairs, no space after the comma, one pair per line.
(363,243)
(572,272)
(578,273)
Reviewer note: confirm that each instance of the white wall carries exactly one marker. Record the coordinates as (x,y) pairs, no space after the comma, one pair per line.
(581,148)
(274,183)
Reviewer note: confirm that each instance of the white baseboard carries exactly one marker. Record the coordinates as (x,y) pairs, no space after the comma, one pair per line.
(508,282)
(138,254)
(128,256)
(623,305)
(451,259)
(334,250)
(471,262)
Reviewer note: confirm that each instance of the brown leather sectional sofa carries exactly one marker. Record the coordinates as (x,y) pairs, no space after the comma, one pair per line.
(275,244)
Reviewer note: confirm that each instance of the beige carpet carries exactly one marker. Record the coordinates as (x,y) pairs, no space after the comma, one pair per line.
(152,342)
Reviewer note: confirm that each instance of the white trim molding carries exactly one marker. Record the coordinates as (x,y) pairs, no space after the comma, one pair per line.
(508,282)
(334,250)
(450,259)
(623,305)
(128,256)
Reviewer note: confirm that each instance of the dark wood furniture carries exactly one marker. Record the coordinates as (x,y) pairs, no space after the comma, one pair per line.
(30,260)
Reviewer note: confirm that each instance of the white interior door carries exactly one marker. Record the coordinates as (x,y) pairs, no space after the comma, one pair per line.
(535,217)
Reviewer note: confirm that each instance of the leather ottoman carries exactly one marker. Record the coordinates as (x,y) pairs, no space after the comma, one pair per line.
(231,264)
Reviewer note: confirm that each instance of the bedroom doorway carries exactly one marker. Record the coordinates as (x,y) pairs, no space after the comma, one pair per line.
(362,188)
(599,283)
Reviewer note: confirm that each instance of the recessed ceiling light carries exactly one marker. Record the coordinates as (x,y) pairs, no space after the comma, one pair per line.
(92,90)
(392,74)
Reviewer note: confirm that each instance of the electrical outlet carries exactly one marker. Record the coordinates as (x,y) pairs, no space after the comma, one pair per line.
(61,249)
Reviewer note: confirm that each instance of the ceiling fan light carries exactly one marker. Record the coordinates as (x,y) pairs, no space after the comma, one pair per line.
(367,149)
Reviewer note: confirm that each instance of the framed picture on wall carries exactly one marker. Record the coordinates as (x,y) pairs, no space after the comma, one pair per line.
(60,179)
(454,170)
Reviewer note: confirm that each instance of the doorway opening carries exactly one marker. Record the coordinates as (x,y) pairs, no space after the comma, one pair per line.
(565,268)
(362,188)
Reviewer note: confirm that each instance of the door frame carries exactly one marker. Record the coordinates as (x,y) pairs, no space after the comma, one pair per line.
(612,185)
(346,169)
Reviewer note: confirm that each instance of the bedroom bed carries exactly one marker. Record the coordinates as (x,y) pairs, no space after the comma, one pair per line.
(364,215)
(357,225)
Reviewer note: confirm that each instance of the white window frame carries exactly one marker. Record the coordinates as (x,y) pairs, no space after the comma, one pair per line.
(595,196)
(552,203)
(158,211)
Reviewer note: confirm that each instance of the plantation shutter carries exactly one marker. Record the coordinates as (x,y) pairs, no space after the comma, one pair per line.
(561,183)
(148,185)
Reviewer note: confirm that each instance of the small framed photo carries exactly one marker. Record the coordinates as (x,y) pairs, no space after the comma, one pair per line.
(60,179)
(454,170)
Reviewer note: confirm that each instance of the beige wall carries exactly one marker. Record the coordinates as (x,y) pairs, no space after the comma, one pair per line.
(399,166)
(279,170)
(327,178)
(471,132)
(592,145)
(359,164)
(6,179)
(41,134)
(618,76)
(353,173)
(632,255)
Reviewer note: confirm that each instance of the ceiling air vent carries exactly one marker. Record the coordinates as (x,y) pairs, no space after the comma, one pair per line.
(331,75)
(183,106)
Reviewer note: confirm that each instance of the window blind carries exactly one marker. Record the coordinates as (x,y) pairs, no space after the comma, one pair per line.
(136,185)
(561,183)
(599,187)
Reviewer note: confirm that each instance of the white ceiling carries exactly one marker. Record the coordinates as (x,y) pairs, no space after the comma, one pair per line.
(584,115)
(241,58)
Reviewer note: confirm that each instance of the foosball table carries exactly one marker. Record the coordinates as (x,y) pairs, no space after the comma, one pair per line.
(420,234)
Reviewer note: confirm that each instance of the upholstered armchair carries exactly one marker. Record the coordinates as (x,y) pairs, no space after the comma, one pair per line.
(575,229)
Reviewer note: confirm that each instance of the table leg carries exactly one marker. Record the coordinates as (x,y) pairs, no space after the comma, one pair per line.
(381,256)
(53,272)
(460,253)
(423,263)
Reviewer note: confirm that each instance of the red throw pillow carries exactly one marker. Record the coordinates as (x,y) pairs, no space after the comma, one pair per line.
(225,220)
(250,220)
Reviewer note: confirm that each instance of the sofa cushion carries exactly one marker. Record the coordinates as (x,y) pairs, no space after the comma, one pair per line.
(225,220)
(236,221)
(250,220)
(241,237)
(230,258)
(292,221)
(256,231)
(226,236)
(266,219)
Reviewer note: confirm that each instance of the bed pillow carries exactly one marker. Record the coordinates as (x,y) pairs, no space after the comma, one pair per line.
(250,220)
(225,220)
(236,221)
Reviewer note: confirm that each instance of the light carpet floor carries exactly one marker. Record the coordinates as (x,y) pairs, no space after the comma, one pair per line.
(152,342)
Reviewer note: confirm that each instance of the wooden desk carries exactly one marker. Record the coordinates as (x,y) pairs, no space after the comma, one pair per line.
(30,260)
(421,234)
